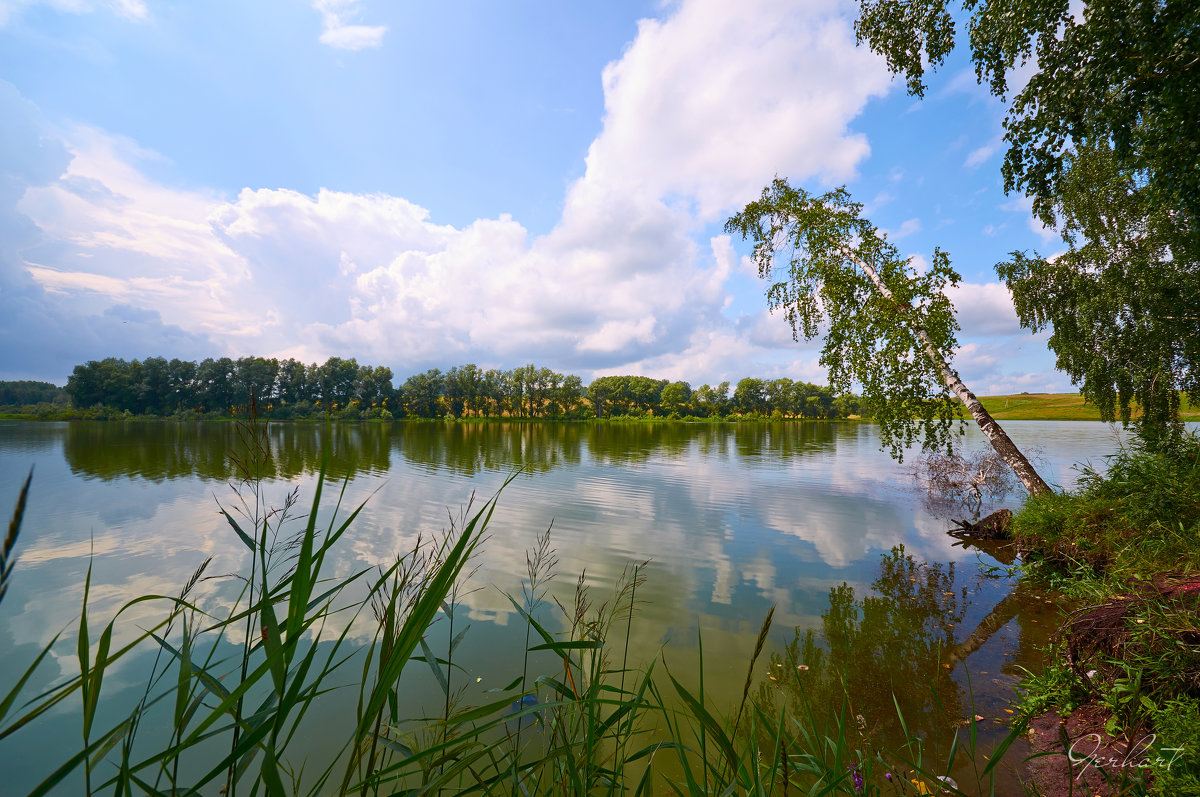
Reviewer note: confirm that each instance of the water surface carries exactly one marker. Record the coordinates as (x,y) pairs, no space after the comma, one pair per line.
(732,519)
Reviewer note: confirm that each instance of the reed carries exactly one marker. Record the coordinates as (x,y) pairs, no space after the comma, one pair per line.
(8,556)
(229,694)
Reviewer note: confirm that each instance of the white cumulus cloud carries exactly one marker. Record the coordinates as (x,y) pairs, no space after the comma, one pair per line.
(984,309)
(339,29)
(711,102)
(704,107)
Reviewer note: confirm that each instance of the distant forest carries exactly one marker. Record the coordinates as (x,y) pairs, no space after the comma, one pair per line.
(24,394)
(289,389)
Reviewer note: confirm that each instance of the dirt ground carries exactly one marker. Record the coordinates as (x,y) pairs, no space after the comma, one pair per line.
(1074,757)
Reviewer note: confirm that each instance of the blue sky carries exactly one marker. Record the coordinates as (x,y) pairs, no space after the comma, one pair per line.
(428,184)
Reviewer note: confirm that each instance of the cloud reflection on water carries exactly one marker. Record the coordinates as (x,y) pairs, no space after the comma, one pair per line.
(731,516)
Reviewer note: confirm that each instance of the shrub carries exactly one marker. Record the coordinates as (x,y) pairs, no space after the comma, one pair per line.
(1142,515)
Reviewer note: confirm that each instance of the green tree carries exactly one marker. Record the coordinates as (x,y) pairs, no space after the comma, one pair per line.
(569,393)
(541,385)
(84,385)
(27,392)
(779,395)
(154,389)
(645,393)
(293,382)
(712,401)
(337,379)
(845,405)
(112,382)
(676,397)
(374,386)
(1105,138)
(256,376)
(459,388)
(750,396)
(600,393)
(516,389)
(1123,309)
(423,393)
(493,391)
(182,377)
(215,380)
(889,329)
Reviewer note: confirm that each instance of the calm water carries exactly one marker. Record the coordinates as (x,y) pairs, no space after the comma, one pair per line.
(732,518)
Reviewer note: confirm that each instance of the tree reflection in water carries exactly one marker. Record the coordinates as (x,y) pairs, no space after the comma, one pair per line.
(159,451)
(884,670)
(878,651)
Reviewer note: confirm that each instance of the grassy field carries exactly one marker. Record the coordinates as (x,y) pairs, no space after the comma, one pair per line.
(1055,407)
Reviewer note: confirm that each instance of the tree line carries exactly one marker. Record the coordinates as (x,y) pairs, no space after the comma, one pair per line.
(342,388)
(24,393)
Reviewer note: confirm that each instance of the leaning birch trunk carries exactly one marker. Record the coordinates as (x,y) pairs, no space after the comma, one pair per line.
(1000,441)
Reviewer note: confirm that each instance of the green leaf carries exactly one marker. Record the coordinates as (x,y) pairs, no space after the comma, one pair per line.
(437,671)
(243,536)
(511,685)
(270,774)
(707,721)
(7,555)
(569,645)
(8,700)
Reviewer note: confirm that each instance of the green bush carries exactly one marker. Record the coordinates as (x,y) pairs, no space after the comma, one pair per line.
(1176,748)
(1141,515)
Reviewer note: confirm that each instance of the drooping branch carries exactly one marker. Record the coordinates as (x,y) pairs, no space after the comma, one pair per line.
(838,264)
(992,430)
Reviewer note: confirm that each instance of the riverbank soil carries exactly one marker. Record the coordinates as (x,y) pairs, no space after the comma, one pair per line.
(1133,670)
(1123,671)
(1077,754)
(1072,756)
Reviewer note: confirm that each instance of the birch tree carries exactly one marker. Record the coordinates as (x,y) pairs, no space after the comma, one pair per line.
(888,327)
(1103,135)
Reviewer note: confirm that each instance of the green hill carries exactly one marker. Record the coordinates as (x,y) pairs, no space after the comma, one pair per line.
(1054,407)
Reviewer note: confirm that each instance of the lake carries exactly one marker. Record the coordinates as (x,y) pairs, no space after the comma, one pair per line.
(731,518)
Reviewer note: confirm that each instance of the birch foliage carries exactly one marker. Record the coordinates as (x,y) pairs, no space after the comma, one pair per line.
(809,248)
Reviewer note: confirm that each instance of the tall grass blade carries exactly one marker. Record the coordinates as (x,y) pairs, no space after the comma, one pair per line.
(433,665)
(270,774)
(1017,732)
(243,536)
(708,723)
(69,766)
(83,650)
(758,647)
(7,556)
(7,703)
(413,630)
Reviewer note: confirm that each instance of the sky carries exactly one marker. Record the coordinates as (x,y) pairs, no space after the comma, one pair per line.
(423,185)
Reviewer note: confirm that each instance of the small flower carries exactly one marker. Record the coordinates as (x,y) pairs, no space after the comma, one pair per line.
(856,776)
(801,667)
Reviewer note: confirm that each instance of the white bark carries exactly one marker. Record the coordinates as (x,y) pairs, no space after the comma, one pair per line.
(1000,441)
